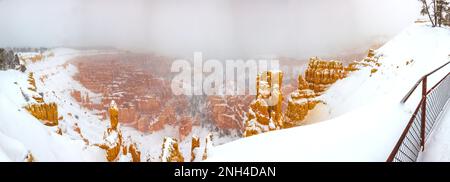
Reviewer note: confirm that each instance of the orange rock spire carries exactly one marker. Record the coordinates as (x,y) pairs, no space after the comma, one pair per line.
(170,151)
(265,112)
(113,115)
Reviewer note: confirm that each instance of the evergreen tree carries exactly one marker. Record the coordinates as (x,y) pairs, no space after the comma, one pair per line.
(441,7)
(447,16)
(426,10)
(436,10)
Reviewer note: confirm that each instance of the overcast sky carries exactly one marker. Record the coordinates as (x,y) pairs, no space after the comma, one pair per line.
(218,28)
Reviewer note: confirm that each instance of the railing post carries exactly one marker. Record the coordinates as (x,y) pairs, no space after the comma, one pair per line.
(424,111)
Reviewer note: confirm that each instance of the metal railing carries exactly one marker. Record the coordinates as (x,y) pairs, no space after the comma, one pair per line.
(412,140)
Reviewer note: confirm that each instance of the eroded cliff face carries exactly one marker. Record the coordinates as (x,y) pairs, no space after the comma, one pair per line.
(227,112)
(47,113)
(319,76)
(140,85)
(266,111)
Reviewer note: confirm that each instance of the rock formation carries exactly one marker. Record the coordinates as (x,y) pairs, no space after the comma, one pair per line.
(32,87)
(116,148)
(142,94)
(141,88)
(227,111)
(319,75)
(185,127)
(265,113)
(208,146)
(29,157)
(77,129)
(370,61)
(130,153)
(38,55)
(195,145)
(46,112)
(113,115)
(112,143)
(170,151)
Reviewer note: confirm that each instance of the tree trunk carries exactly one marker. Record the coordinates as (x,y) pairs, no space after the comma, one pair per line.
(428,12)
(435,13)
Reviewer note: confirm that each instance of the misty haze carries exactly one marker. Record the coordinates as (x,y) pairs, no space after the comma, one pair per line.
(218,28)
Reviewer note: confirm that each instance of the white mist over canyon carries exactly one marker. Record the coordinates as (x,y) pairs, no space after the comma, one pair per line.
(218,28)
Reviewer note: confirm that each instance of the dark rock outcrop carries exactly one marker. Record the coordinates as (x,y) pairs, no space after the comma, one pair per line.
(9,60)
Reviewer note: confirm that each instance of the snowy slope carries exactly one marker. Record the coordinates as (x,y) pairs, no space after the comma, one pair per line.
(22,133)
(363,117)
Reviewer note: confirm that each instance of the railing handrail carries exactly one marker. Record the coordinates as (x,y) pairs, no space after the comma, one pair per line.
(419,81)
(432,88)
(405,131)
(421,105)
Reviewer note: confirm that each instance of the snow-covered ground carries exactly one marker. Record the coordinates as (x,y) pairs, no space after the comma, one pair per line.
(21,133)
(437,147)
(363,115)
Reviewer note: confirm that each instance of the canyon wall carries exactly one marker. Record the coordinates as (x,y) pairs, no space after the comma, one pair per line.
(140,85)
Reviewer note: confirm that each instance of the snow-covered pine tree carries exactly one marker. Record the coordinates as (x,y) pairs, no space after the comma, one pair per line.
(436,11)
(446,13)
(426,11)
(441,7)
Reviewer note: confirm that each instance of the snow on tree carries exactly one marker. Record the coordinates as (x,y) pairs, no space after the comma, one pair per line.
(437,11)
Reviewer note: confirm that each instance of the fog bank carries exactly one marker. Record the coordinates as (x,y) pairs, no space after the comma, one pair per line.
(218,28)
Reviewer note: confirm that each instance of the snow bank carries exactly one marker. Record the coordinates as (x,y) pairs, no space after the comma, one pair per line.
(364,117)
(21,132)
